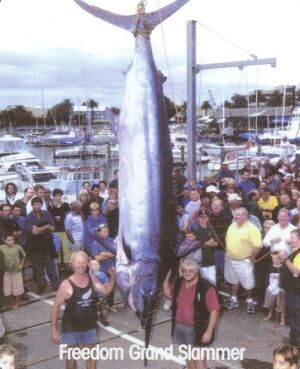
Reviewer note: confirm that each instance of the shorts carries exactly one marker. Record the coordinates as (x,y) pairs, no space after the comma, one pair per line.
(239,271)
(275,300)
(88,337)
(209,273)
(13,284)
(183,334)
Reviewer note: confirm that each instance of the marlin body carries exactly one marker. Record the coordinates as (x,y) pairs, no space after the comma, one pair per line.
(147,226)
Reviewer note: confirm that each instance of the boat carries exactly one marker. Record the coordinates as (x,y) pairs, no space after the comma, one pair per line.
(60,138)
(70,179)
(290,133)
(11,145)
(235,158)
(103,137)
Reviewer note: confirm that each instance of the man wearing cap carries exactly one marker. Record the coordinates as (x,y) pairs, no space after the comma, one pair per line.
(211,189)
(243,243)
(39,227)
(235,201)
(267,203)
(246,185)
(287,183)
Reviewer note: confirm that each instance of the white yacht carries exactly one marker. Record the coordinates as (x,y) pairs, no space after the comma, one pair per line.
(18,165)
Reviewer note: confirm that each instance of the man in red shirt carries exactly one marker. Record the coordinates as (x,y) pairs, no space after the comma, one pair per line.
(195,309)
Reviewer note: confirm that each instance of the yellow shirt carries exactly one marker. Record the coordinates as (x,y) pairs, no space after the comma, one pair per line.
(296,262)
(268,205)
(241,240)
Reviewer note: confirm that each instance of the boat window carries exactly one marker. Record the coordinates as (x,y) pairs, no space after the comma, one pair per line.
(12,146)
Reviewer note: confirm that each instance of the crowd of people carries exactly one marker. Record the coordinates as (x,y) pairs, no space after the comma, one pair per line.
(242,235)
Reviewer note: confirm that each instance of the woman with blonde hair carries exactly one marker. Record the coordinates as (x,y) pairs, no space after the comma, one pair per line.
(79,321)
(85,198)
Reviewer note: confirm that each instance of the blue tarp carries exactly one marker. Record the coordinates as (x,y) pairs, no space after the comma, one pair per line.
(279,120)
(248,136)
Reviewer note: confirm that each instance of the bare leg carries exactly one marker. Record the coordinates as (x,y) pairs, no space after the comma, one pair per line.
(249,293)
(270,313)
(190,364)
(90,364)
(71,364)
(234,290)
(200,364)
(282,319)
(16,300)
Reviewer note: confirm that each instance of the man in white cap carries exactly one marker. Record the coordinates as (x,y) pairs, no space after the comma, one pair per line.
(235,202)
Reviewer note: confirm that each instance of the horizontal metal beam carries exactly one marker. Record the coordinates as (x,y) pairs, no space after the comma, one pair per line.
(239,64)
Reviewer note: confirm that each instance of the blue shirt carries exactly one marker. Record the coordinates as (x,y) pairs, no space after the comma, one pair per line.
(102,278)
(99,246)
(247,186)
(21,221)
(90,231)
(32,220)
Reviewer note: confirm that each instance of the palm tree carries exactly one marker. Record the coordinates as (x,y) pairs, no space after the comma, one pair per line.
(92,104)
(205,106)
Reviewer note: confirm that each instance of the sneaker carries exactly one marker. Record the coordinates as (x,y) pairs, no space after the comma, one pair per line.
(232,304)
(251,306)
(167,304)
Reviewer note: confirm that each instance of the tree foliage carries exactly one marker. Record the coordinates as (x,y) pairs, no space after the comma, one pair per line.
(115,110)
(239,101)
(276,99)
(60,113)
(206,106)
(16,116)
(170,107)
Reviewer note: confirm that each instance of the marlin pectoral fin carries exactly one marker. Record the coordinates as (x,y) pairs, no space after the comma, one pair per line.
(122,21)
(160,15)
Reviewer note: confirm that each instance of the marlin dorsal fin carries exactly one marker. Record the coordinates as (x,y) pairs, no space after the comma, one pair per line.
(147,21)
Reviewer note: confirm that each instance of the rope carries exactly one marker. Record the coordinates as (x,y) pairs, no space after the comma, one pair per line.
(227,40)
(224,247)
(277,320)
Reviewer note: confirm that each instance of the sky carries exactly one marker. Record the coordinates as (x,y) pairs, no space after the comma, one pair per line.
(56,47)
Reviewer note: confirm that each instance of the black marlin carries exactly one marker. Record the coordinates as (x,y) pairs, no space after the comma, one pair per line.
(147,227)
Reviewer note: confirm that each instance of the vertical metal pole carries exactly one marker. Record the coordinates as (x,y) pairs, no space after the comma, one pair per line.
(191,99)
(237,165)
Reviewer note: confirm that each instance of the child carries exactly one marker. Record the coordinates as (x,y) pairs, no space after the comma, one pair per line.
(274,294)
(7,357)
(13,257)
(190,247)
(286,357)
(102,301)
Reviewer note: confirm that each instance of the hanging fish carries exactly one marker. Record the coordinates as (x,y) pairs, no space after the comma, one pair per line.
(147,226)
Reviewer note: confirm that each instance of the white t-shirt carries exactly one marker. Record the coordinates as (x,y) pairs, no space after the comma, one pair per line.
(284,234)
(74,224)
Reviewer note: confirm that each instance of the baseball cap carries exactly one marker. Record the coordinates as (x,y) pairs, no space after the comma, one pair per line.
(212,188)
(234,197)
